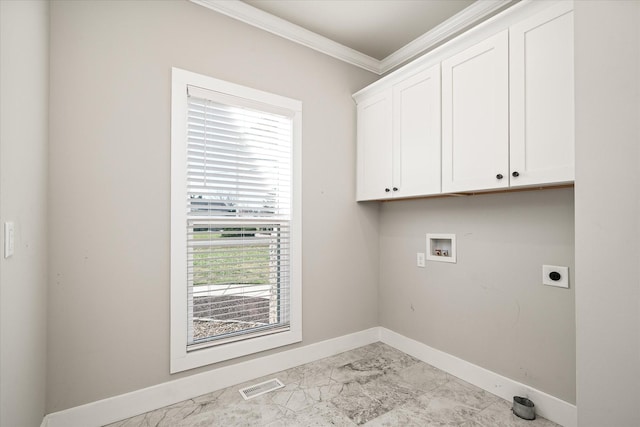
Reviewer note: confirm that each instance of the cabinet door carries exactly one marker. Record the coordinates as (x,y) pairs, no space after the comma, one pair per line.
(475,117)
(416,134)
(374,179)
(542,98)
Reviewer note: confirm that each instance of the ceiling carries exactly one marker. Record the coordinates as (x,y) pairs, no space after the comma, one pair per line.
(376,28)
(377,35)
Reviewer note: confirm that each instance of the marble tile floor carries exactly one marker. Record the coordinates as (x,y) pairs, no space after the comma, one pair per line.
(374,385)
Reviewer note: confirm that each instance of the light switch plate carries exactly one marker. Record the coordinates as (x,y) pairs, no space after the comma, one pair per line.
(548,272)
(420,260)
(9,239)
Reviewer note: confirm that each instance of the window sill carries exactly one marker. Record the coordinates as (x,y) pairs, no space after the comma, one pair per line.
(183,360)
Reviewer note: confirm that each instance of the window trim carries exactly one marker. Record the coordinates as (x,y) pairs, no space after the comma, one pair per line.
(180,359)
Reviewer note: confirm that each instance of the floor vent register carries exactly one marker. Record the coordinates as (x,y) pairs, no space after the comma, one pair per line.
(252,391)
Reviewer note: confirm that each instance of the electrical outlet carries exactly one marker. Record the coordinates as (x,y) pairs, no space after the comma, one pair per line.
(420,259)
(555,275)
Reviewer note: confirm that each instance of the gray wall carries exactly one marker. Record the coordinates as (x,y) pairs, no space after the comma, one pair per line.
(109,185)
(607,212)
(109,223)
(24,60)
(490,308)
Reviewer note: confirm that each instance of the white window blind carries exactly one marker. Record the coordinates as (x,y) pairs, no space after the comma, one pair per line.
(239,189)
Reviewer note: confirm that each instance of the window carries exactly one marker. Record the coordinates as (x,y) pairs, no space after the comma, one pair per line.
(235,221)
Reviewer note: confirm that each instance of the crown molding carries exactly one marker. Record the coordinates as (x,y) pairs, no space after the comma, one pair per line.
(258,18)
(462,20)
(253,16)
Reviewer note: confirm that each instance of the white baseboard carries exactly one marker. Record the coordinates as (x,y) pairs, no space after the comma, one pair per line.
(547,406)
(137,402)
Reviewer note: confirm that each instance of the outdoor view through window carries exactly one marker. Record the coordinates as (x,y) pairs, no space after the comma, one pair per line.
(238,220)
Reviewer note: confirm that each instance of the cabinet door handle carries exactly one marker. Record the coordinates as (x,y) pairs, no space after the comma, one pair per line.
(499,176)
(386,190)
(395,188)
(515,174)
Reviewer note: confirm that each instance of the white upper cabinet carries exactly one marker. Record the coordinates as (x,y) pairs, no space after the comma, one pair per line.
(491,109)
(374,175)
(416,135)
(399,139)
(475,117)
(542,98)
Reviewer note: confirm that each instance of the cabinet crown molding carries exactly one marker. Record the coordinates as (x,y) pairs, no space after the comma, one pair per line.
(500,22)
